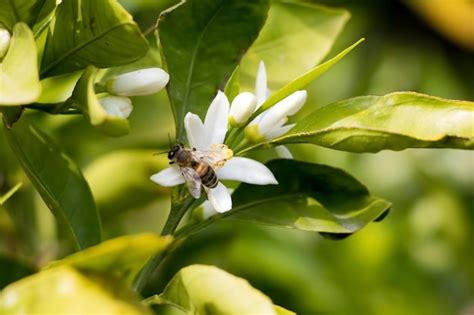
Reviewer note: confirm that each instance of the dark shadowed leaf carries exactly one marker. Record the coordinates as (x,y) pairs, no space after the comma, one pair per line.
(16,270)
(202,42)
(395,121)
(58,180)
(100,33)
(28,11)
(309,197)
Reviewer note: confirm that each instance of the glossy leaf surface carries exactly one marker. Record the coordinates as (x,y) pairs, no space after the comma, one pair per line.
(202,290)
(121,257)
(309,197)
(19,79)
(65,290)
(58,180)
(395,121)
(28,11)
(100,33)
(202,43)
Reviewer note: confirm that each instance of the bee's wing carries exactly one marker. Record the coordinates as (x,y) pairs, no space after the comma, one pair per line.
(216,156)
(193,181)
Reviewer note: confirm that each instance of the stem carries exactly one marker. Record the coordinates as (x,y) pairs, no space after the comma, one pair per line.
(179,208)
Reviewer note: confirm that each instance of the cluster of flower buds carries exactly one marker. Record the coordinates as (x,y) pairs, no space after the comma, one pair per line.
(140,82)
(270,123)
(5,38)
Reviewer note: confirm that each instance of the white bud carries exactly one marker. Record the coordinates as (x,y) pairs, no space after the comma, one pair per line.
(5,38)
(242,108)
(140,82)
(117,106)
(261,89)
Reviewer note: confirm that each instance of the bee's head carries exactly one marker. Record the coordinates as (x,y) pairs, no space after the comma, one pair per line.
(172,152)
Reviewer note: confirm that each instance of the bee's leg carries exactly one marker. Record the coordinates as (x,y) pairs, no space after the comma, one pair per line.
(172,162)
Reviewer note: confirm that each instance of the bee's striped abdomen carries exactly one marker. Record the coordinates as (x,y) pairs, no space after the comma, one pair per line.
(207,174)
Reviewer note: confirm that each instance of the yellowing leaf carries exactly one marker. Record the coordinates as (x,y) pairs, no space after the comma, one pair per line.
(67,291)
(19,79)
(121,257)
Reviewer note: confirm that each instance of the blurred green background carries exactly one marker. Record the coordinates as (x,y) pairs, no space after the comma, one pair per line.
(419,260)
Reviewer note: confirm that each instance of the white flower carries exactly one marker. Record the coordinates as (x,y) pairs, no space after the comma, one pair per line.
(242,108)
(117,106)
(271,123)
(139,82)
(203,136)
(5,38)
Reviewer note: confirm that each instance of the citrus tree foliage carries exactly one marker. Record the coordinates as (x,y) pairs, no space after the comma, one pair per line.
(86,57)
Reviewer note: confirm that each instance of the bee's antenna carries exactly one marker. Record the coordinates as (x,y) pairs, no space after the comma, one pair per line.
(158,153)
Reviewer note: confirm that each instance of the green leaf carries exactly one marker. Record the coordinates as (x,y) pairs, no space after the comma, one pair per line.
(306,78)
(202,42)
(295,38)
(86,99)
(203,290)
(395,121)
(121,257)
(65,290)
(58,180)
(8,194)
(59,88)
(232,88)
(309,197)
(19,69)
(28,11)
(86,32)
(13,270)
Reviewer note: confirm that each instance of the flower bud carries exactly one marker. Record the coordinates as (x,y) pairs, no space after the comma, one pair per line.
(117,106)
(5,38)
(140,82)
(242,108)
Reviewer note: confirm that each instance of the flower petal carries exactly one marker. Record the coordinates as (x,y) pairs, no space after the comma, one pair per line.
(261,84)
(247,171)
(140,82)
(116,106)
(242,108)
(215,124)
(278,131)
(195,132)
(283,152)
(170,176)
(220,198)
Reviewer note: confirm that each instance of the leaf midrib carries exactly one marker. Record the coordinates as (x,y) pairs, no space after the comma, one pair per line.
(191,66)
(79,47)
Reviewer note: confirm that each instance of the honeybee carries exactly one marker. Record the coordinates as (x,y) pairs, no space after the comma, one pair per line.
(198,167)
